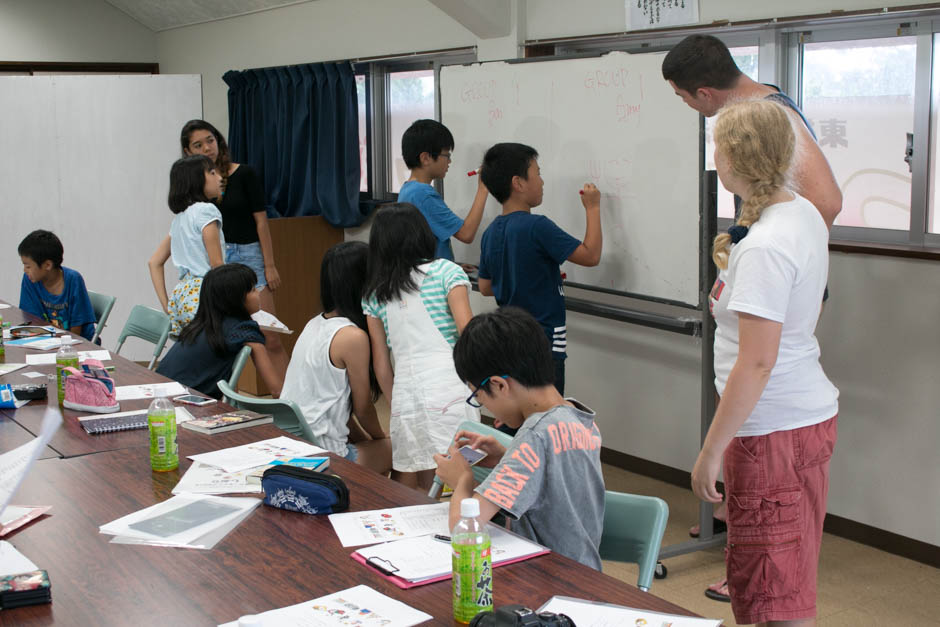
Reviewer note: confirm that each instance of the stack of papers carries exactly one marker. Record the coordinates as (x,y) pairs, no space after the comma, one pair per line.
(247,456)
(49,358)
(428,558)
(360,605)
(186,521)
(205,479)
(396,523)
(146,390)
(43,343)
(595,614)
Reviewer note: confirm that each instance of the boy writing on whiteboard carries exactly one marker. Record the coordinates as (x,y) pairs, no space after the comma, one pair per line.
(426,148)
(520,253)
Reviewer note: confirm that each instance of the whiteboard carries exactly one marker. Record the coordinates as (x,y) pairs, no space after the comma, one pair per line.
(88,157)
(609,120)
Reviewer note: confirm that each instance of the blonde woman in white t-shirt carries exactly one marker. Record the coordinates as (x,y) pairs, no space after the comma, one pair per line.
(775,425)
(330,376)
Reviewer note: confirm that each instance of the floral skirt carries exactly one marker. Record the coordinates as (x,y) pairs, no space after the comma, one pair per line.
(184,302)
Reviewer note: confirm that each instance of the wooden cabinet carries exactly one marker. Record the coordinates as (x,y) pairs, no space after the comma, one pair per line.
(299,245)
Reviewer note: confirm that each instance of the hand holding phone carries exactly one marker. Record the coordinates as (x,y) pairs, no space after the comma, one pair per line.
(472,455)
(193,399)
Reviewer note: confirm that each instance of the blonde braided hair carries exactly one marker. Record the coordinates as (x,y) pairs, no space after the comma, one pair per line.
(758,140)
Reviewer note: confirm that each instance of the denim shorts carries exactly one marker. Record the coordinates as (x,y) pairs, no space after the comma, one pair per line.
(250,255)
(776,486)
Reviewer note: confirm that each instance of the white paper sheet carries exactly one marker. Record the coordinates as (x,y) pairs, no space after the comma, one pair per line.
(257,453)
(32,374)
(43,343)
(49,358)
(8,368)
(180,519)
(16,463)
(425,557)
(269,322)
(206,479)
(594,614)
(343,608)
(181,414)
(149,390)
(204,542)
(396,523)
(12,562)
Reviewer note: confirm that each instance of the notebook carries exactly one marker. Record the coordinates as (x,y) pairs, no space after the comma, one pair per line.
(96,425)
(228,421)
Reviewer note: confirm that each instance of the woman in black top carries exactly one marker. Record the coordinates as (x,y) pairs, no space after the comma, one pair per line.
(244,220)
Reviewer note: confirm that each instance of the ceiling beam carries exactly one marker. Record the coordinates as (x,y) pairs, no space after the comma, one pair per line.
(487,19)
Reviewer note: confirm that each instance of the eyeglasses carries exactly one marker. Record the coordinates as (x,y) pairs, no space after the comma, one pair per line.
(471,400)
(447,155)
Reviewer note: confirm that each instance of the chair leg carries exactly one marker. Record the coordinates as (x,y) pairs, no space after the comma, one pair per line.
(153,360)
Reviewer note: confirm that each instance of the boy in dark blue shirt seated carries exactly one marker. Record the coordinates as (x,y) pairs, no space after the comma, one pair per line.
(520,253)
(50,291)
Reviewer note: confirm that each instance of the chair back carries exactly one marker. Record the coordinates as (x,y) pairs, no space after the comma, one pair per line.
(148,324)
(633,532)
(287,416)
(101,304)
(238,366)
(480,473)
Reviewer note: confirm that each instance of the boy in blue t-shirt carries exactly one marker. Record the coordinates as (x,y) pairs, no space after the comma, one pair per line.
(426,148)
(50,291)
(520,253)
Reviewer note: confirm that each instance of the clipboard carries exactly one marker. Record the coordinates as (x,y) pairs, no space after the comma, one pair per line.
(386,570)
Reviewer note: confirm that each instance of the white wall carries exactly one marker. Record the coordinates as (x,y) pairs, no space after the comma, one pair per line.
(562,18)
(324,30)
(71,31)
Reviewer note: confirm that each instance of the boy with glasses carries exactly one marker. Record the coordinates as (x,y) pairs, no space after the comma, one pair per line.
(548,482)
(426,148)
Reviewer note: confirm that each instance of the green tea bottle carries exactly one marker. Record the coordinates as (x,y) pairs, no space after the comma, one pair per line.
(473,573)
(65,357)
(161,421)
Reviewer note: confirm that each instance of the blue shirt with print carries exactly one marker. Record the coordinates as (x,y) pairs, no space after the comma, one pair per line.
(443,222)
(71,308)
(520,253)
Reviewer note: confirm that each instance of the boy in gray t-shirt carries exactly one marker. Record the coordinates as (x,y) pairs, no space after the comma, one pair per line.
(549,481)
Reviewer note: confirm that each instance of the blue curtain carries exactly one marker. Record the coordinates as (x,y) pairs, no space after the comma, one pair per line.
(299,126)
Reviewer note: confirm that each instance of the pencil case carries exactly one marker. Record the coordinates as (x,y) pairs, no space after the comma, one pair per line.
(304,490)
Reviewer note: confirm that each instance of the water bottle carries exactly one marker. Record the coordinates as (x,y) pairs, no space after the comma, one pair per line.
(161,422)
(473,573)
(2,350)
(65,357)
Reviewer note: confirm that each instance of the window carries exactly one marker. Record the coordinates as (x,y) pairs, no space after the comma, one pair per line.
(858,95)
(933,221)
(746,59)
(410,98)
(361,94)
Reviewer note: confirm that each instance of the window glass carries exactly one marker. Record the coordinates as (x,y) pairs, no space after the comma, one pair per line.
(858,95)
(933,221)
(410,98)
(363,136)
(746,59)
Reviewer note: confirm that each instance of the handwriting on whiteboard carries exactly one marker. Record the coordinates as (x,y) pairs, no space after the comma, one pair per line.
(478,90)
(596,80)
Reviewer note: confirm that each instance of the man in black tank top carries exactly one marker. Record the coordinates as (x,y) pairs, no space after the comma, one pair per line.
(702,72)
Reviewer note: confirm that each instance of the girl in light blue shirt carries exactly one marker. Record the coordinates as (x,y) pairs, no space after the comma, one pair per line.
(195,241)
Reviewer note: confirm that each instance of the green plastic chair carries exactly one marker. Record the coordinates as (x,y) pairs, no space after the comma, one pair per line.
(287,416)
(633,532)
(101,304)
(147,324)
(240,360)
(479,472)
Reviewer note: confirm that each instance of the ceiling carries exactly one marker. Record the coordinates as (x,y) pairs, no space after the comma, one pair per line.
(160,15)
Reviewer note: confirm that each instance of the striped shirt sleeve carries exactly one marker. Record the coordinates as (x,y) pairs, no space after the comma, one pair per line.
(442,277)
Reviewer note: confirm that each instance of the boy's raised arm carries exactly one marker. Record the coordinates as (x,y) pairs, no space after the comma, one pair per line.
(472,222)
(589,252)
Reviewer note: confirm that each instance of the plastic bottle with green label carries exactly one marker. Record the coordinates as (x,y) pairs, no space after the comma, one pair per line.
(2,350)
(473,572)
(65,357)
(161,422)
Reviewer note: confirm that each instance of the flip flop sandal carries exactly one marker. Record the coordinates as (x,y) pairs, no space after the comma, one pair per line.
(718,526)
(718,591)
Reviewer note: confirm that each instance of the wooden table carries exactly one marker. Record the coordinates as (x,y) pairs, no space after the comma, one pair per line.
(273,559)
(13,436)
(71,440)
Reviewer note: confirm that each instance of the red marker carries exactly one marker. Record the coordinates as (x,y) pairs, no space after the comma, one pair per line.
(472,173)
(564,276)
(581,191)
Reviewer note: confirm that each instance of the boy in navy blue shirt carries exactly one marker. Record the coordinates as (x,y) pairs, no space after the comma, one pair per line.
(426,148)
(520,253)
(49,290)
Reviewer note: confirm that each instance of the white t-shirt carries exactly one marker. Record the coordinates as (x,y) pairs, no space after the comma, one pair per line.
(186,244)
(320,389)
(779,272)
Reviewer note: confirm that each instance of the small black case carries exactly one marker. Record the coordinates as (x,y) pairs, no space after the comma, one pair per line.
(29,392)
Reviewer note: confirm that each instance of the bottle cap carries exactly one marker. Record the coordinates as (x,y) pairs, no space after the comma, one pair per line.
(469,508)
(249,620)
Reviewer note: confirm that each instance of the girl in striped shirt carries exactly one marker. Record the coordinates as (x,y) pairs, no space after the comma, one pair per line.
(415,307)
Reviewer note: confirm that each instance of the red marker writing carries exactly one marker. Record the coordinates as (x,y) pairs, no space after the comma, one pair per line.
(472,173)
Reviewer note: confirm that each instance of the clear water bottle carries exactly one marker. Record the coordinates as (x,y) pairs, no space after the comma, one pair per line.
(473,572)
(161,422)
(65,357)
